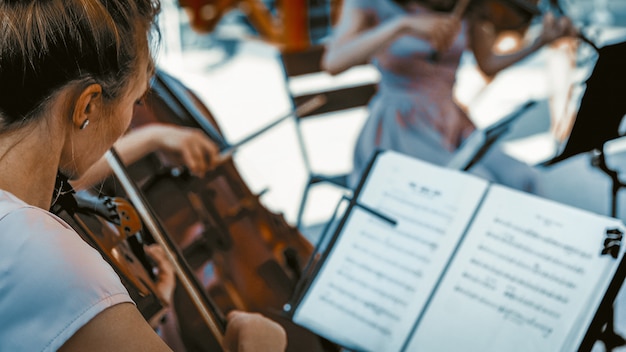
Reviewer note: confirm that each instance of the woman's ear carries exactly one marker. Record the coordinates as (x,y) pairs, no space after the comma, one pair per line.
(88,105)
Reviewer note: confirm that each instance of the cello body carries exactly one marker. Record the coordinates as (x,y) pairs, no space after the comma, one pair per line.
(245,256)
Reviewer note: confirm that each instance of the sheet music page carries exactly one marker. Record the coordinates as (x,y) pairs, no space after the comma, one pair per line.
(528,277)
(378,275)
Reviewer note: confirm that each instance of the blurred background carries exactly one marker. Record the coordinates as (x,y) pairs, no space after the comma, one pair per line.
(248,65)
(240,75)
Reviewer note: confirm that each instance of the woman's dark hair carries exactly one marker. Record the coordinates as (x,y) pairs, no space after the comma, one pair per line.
(47,44)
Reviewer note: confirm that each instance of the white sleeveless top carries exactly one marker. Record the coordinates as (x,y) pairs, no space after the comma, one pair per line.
(51,281)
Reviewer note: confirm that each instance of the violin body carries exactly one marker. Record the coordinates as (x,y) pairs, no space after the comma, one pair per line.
(111,226)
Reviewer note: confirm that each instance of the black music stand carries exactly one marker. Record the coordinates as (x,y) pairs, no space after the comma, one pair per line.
(601,111)
(603,104)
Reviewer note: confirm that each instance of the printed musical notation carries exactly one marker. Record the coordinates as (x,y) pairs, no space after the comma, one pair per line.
(371,280)
(361,318)
(546,238)
(511,314)
(382,273)
(519,270)
(542,254)
(425,253)
(396,246)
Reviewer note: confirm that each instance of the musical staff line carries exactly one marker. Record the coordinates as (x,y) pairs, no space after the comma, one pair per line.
(394,263)
(372,288)
(482,282)
(531,304)
(534,269)
(520,281)
(379,274)
(418,207)
(410,252)
(429,244)
(516,245)
(509,314)
(373,307)
(360,318)
(567,248)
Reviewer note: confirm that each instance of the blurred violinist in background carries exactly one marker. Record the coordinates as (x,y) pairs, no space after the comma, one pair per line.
(417,47)
(559,80)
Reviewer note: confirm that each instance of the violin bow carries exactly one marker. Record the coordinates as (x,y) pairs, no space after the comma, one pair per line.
(303,109)
(207,310)
(459,8)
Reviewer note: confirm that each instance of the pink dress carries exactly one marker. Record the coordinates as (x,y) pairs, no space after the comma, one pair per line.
(414,112)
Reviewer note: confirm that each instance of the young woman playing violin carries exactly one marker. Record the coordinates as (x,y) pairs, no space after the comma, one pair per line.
(70,73)
(417,46)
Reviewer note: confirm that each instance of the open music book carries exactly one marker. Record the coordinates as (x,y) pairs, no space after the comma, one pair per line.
(432,259)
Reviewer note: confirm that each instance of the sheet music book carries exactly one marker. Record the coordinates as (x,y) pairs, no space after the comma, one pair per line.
(428,258)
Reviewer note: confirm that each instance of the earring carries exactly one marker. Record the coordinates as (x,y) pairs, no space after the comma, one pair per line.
(84,124)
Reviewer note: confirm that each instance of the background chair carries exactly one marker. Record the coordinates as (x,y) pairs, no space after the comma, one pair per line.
(346,96)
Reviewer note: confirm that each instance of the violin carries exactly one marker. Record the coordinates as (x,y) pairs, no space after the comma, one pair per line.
(503,14)
(517,15)
(203,307)
(112,226)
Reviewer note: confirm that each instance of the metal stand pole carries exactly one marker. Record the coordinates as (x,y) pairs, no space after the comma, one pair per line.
(608,336)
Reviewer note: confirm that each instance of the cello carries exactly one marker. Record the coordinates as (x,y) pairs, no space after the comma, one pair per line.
(292,25)
(245,256)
